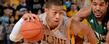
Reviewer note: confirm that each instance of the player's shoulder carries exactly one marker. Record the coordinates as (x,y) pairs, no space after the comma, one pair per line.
(108,25)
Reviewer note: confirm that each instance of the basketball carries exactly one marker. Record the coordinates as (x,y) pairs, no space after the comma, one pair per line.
(32,31)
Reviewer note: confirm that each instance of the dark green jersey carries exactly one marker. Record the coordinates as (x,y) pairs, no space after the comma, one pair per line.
(99,29)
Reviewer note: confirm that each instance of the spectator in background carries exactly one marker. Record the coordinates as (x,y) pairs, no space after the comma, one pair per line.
(9,29)
(7,3)
(1,10)
(5,22)
(67,4)
(5,18)
(1,33)
(21,9)
(14,3)
(38,6)
(73,10)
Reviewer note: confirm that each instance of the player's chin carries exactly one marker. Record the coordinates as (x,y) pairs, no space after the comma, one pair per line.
(98,15)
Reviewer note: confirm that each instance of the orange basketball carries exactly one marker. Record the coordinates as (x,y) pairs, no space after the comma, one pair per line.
(32,31)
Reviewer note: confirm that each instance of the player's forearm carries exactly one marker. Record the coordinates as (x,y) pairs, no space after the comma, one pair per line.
(82,14)
(15,34)
(107,38)
(91,37)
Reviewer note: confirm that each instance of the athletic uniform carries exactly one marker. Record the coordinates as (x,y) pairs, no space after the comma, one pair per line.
(99,29)
(55,36)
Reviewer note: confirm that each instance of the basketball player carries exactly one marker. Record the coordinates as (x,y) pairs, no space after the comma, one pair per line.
(56,25)
(97,16)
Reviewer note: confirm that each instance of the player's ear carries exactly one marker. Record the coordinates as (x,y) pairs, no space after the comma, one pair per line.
(46,10)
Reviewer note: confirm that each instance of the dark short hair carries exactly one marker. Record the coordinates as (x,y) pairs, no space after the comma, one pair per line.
(104,0)
(49,3)
(106,17)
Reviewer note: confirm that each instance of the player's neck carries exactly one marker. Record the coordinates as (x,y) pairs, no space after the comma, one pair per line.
(99,21)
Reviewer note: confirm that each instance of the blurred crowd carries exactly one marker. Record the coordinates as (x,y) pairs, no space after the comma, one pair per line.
(12,10)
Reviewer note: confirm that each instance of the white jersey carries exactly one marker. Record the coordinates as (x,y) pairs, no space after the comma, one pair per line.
(56,36)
